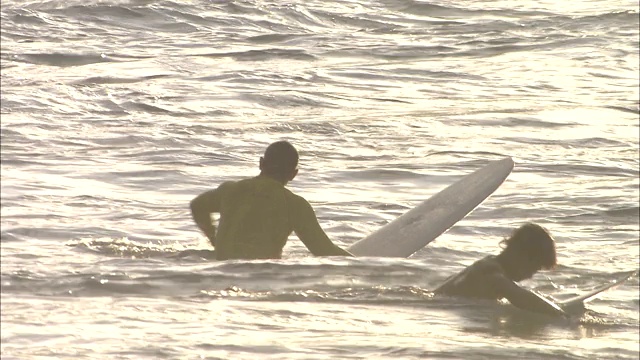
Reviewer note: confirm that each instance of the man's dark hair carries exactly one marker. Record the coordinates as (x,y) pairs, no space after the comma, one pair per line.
(280,157)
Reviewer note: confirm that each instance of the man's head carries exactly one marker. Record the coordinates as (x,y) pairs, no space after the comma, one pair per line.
(280,161)
(529,249)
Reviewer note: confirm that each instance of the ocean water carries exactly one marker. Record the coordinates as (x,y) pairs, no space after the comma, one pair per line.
(115,114)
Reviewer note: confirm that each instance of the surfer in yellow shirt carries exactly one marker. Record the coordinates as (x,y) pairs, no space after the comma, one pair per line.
(258,214)
(529,249)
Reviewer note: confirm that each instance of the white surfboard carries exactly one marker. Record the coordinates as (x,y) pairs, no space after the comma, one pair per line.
(578,301)
(419,226)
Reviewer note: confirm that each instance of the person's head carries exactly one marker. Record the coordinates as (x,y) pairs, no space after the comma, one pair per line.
(280,161)
(529,249)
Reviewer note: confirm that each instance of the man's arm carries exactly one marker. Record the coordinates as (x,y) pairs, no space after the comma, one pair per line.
(308,230)
(202,206)
(525,299)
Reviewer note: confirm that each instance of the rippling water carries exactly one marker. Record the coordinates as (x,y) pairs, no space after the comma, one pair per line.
(115,114)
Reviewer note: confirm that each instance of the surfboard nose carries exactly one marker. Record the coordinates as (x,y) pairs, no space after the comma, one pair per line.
(419,226)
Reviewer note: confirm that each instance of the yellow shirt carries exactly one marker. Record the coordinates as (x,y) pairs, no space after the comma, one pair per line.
(258,214)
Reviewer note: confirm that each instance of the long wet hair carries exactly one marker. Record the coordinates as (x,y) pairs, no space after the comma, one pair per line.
(534,241)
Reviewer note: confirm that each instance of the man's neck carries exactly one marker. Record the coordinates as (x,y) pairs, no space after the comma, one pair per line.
(275,178)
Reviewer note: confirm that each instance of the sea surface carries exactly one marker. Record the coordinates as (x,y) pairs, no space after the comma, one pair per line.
(115,114)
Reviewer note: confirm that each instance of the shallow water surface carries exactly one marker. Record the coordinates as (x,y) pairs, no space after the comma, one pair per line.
(115,114)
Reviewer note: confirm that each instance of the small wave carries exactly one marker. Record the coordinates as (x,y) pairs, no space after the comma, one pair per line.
(287,99)
(595,142)
(381,175)
(142,107)
(586,169)
(541,45)
(28,17)
(623,17)
(23,281)
(633,110)
(526,122)
(457,76)
(275,38)
(466,154)
(46,232)
(62,60)
(632,212)
(98,10)
(442,11)
(403,295)
(319,128)
(116,80)
(264,55)
(123,247)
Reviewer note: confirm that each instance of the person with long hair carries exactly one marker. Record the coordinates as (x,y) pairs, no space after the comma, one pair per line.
(529,249)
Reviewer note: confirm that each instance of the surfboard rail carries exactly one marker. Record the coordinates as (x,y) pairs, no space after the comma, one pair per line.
(419,226)
(577,302)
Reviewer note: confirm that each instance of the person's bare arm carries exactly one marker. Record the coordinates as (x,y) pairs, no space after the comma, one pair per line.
(525,299)
(202,206)
(308,230)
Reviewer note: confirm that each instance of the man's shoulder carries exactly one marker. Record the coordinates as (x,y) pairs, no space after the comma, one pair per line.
(295,198)
(297,203)
(249,182)
(227,185)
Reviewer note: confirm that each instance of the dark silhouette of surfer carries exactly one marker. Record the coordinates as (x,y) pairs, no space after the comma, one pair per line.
(258,214)
(529,249)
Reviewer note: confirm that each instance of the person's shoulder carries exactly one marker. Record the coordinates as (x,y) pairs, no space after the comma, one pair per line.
(488,264)
(227,185)
(296,201)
